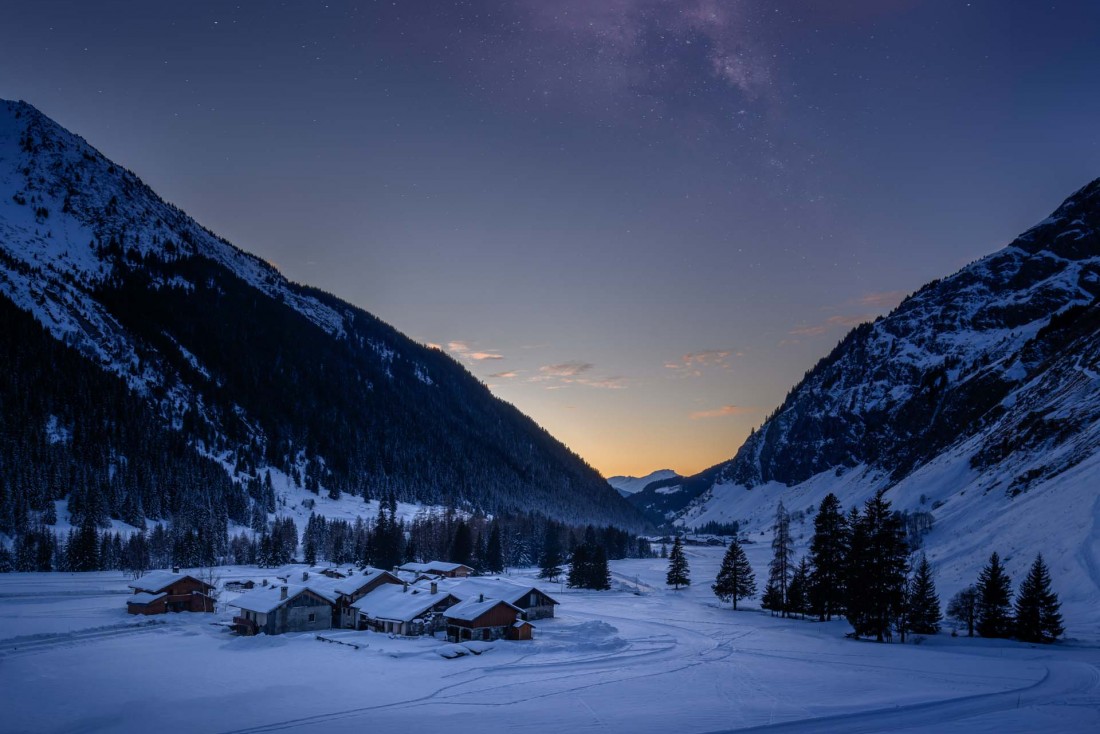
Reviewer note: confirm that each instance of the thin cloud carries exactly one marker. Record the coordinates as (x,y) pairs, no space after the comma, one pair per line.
(693,364)
(466,351)
(565,369)
(722,412)
(565,374)
(504,375)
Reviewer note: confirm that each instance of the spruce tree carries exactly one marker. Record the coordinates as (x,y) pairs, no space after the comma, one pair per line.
(781,567)
(550,563)
(678,572)
(735,577)
(462,546)
(798,600)
(494,553)
(772,600)
(599,573)
(923,608)
(828,554)
(1038,615)
(579,567)
(877,568)
(994,599)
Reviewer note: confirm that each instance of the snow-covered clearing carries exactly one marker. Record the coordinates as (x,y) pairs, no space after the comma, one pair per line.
(72,660)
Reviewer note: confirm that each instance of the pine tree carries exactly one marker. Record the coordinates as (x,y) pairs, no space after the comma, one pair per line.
(798,599)
(1038,615)
(828,555)
(735,577)
(494,554)
(84,548)
(678,573)
(923,607)
(550,563)
(994,599)
(462,547)
(579,567)
(781,567)
(877,568)
(599,573)
(772,600)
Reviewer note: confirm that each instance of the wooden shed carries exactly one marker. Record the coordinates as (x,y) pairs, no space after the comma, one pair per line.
(521,630)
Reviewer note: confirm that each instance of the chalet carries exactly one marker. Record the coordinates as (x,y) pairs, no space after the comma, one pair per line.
(278,609)
(480,619)
(404,609)
(160,592)
(438,568)
(534,603)
(347,590)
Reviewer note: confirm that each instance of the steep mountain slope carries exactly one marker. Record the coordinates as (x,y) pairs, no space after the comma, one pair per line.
(243,366)
(977,400)
(627,486)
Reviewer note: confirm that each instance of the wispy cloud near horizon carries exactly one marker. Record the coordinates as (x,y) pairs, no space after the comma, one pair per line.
(725,410)
(464,350)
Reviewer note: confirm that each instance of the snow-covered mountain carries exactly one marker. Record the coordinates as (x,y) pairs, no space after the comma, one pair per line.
(219,357)
(977,400)
(627,486)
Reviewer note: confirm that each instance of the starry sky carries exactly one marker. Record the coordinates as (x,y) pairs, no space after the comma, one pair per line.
(640,221)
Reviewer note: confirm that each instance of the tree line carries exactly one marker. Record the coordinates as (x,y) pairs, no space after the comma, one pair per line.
(858,566)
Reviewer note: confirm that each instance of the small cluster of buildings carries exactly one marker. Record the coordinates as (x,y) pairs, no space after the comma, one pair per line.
(414,599)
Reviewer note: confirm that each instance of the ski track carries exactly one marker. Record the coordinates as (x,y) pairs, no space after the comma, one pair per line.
(16,646)
(1065,684)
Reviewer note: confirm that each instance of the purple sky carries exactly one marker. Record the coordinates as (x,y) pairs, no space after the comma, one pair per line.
(640,221)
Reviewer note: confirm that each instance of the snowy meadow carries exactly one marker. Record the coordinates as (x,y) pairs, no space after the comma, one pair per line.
(71,659)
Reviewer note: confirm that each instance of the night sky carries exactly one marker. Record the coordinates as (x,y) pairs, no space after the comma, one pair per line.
(640,221)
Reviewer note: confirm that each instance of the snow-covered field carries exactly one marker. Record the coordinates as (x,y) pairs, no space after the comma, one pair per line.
(659,661)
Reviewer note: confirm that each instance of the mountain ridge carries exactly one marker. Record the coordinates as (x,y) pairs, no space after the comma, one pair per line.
(258,372)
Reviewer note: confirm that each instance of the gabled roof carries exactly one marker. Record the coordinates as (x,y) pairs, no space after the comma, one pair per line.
(160,580)
(265,601)
(393,603)
(142,598)
(468,611)
(331,587)
(491,588)
(436,566)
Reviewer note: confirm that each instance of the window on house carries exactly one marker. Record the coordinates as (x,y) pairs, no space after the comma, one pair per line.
(312,617)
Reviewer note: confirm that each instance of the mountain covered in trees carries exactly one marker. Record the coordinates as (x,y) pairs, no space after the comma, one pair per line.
(975,405)
(153,371)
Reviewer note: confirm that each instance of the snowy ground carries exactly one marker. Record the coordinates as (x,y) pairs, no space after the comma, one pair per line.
(72,660)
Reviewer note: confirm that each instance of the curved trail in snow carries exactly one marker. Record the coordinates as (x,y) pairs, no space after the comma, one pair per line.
(1066,683)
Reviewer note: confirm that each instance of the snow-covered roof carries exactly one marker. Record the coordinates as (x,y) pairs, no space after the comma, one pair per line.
(470,610)
(143,598)
(393,602)
(433,566)
(522,623)
(158,580)
(491,588)
(265,601)
(331,588)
